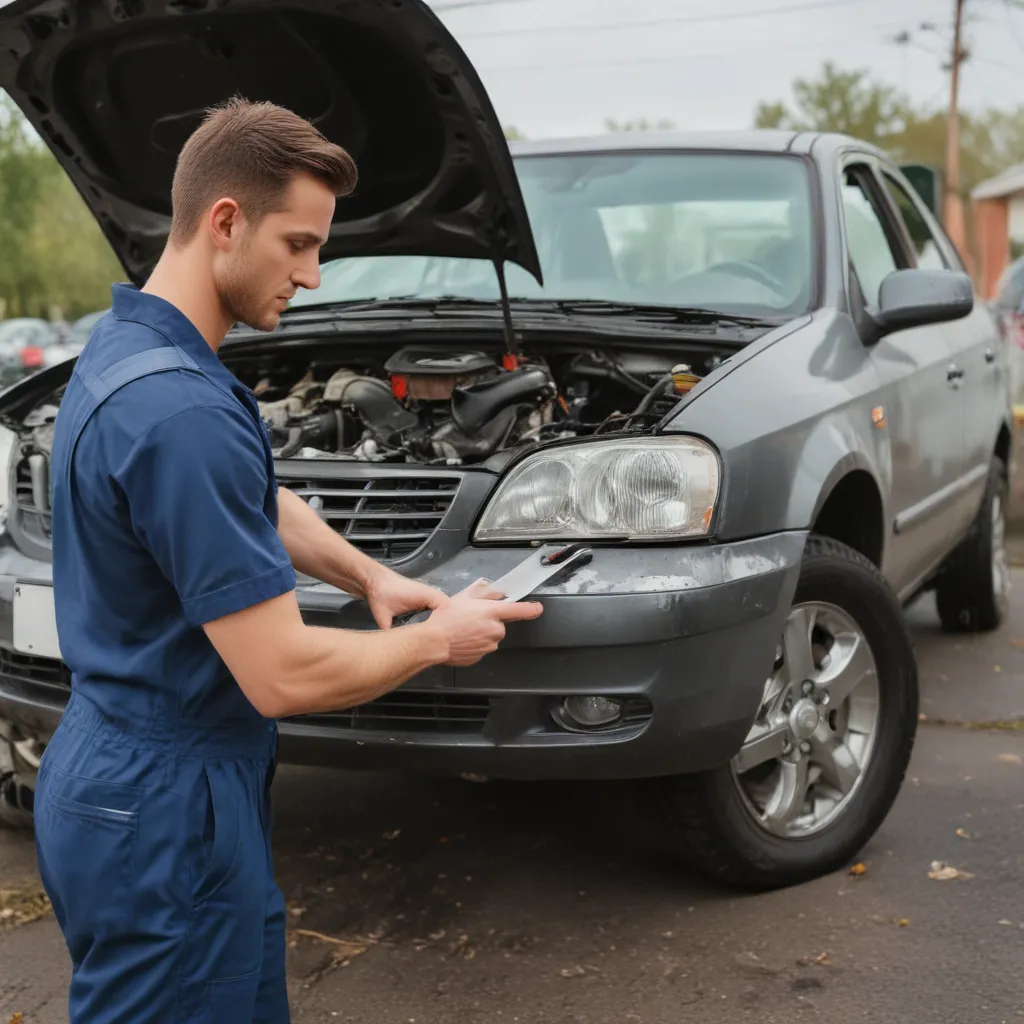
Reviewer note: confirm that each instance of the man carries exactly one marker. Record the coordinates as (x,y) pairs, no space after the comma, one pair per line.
(174,558)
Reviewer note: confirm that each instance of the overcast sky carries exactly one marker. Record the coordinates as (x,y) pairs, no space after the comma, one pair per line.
(556,67)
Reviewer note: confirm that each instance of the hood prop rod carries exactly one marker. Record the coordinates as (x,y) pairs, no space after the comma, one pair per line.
(511,345)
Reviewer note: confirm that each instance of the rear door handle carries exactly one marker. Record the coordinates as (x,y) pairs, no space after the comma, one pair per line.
(990,355)
(954,374)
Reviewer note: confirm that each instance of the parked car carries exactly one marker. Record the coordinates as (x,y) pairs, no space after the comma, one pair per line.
(720,364)
(24,342)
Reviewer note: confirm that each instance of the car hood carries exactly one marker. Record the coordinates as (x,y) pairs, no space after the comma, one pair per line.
(114,87)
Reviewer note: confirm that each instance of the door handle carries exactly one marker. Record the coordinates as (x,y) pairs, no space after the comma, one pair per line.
(990,355)
(954,375)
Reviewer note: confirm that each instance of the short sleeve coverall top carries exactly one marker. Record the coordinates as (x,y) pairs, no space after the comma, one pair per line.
(152,803)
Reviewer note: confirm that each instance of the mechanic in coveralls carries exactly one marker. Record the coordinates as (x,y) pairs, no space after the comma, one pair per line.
(174,558)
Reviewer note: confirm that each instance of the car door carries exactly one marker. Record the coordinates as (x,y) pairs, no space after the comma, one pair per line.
(978,358)
(920,405)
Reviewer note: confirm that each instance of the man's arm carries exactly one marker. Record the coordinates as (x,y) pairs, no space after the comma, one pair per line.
(235,579)
(316,550)
(286,667)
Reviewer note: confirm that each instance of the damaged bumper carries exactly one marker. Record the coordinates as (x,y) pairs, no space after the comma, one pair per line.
(682,638)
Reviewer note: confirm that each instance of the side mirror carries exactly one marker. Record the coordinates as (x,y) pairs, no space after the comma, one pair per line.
(916,298)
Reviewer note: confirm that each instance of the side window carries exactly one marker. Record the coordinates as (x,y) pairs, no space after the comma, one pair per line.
(870,251)
(927,247)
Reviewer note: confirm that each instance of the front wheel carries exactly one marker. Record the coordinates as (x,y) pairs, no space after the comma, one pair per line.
(828,750)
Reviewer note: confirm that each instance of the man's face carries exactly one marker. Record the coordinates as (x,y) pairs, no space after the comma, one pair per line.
(264,264)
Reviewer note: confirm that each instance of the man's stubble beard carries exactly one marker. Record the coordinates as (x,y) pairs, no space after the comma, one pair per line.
(240,295)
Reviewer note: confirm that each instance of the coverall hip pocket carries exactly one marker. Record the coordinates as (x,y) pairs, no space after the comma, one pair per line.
(86,836)
(233,843)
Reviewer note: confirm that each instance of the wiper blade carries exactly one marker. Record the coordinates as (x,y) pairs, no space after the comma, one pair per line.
(413,302)
(668,314)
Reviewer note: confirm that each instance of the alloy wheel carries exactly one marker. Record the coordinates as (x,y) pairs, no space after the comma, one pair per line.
(814,734)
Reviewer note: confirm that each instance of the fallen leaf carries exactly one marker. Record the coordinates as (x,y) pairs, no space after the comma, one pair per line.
(903,922)
(821,960)
(1017,643)
(963,833)
(23,904)
(942,872)
(1010,758)
(997,668)
(17,1018)
(858,869)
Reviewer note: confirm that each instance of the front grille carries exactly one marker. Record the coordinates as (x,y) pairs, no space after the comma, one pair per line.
(32,497)
(386,516)
(26,668)
(409,711)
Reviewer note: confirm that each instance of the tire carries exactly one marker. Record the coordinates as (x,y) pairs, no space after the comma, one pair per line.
(973,590)
(714,822)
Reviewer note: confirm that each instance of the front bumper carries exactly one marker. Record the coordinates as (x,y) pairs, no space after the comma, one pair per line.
(685,636)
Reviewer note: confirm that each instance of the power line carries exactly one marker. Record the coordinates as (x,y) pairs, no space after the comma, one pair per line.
(646,22)
(680,58)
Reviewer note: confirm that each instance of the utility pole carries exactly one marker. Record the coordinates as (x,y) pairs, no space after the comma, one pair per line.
(956,224)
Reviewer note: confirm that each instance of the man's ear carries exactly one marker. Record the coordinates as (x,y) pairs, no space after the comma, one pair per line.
(225,222)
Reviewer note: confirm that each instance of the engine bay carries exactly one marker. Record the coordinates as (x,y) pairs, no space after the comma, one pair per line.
(428,404)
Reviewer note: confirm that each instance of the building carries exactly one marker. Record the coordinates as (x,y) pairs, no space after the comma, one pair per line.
(998,207)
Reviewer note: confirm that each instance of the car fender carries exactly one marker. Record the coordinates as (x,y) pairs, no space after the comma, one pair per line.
(789,421)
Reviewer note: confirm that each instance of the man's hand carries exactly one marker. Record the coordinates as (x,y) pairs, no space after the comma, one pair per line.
(474,621)
(389,594)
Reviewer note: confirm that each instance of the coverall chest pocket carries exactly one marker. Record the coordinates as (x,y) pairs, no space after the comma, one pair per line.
(73,814)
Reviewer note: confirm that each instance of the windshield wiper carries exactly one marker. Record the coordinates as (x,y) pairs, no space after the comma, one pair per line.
(413,302)
(565,307)
(666,314)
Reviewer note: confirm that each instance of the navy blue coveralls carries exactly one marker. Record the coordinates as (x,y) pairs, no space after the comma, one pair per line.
(152,806)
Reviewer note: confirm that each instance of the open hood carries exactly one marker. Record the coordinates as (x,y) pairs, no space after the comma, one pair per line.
(114,87)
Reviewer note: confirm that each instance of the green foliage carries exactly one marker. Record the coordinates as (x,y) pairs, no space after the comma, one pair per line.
(854,103)
(54,259)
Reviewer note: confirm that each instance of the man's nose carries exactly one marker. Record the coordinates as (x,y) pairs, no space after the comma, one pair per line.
(307,276)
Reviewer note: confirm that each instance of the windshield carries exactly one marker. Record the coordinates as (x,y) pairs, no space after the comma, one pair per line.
(730,232)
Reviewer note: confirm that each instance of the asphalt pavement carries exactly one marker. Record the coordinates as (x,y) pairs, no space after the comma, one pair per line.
(417,901)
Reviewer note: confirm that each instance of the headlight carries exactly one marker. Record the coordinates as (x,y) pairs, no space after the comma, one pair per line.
(641,488)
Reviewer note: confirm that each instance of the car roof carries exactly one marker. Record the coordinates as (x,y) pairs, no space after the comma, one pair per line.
(752,140)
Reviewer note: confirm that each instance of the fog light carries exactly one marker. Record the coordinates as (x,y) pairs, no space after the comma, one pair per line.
(592,711)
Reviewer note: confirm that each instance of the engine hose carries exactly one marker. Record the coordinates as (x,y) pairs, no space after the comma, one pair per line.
(651,395)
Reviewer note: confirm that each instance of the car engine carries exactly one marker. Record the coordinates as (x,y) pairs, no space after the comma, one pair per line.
(431,405)
(453,406)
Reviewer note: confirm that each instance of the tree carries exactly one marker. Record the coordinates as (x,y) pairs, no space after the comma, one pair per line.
(841,101)
(852,102)
(53,252)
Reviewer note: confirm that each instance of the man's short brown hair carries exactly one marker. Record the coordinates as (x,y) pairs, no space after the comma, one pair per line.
(249,151)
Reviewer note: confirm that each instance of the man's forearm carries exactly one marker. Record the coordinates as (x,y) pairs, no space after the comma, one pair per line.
(316,550)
